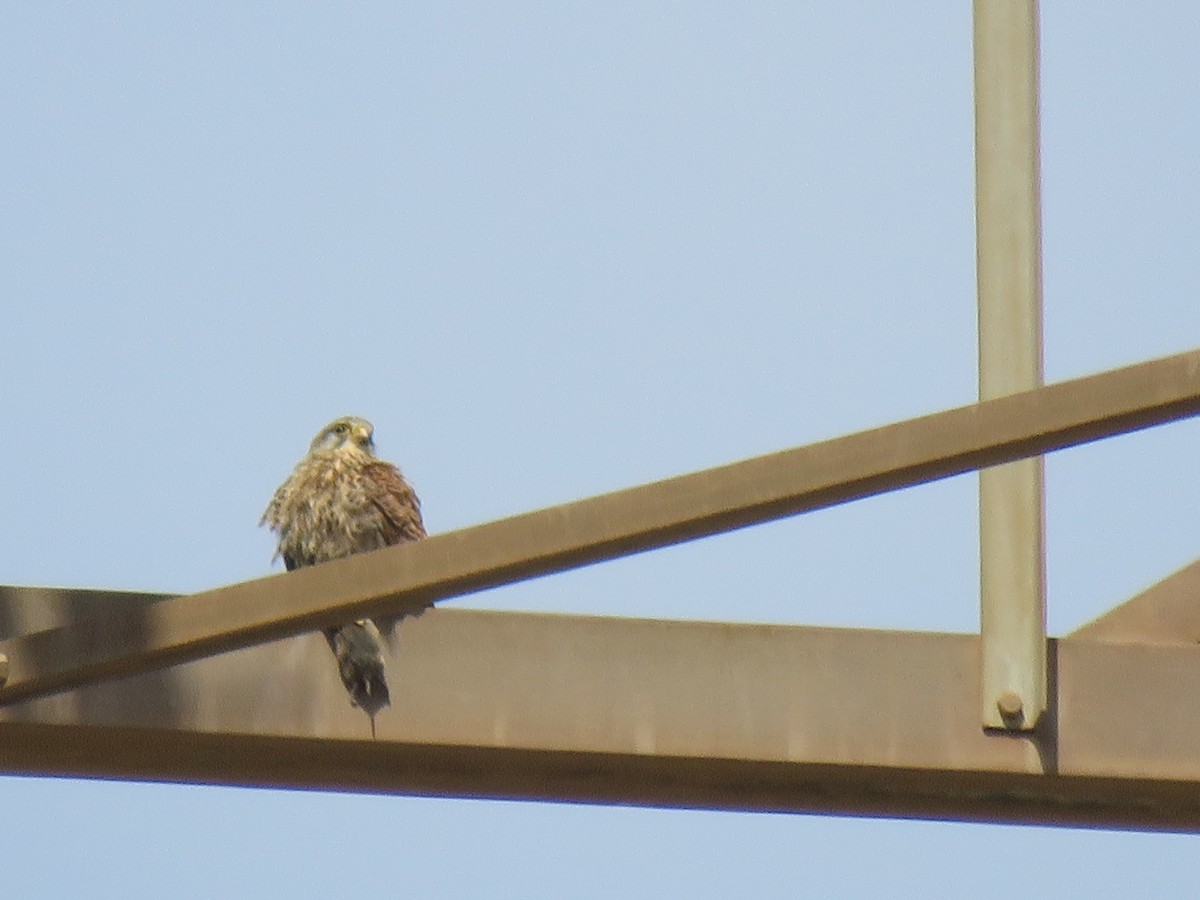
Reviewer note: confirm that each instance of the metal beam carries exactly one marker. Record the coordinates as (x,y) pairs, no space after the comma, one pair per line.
(408,578)
(24,610)
(678,714)
(1166,613)
(1009,273)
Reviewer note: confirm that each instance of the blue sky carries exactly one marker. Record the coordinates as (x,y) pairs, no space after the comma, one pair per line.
(553,250)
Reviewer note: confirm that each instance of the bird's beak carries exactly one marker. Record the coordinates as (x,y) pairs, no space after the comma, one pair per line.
(362,437)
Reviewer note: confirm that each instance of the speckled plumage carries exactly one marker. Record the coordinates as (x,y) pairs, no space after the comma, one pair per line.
(341,500)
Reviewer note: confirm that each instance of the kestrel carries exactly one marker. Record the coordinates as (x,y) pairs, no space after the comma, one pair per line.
(341,500)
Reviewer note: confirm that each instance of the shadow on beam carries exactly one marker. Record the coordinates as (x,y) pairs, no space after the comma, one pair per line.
(607,779)
(92,615)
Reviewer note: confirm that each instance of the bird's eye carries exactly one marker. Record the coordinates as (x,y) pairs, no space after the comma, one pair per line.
(341,428)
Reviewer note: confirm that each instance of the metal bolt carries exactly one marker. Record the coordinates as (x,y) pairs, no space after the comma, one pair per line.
(1010,705)
(3,668)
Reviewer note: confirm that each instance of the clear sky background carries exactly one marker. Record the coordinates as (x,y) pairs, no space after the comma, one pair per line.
(553,250)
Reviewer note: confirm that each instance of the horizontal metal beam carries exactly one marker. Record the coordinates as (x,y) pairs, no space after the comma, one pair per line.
(24,610)
(409,577)
(1166,613)
(678,714)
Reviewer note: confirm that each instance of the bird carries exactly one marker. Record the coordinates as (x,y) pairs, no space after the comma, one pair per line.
(341,500)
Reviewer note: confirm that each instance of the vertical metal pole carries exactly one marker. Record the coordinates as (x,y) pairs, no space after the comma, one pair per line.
(1009,273)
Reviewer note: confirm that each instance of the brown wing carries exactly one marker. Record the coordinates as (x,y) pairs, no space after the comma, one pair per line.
(399,516)
(396,502)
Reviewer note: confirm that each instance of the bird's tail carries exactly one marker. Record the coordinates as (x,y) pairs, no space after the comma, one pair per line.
(360,657)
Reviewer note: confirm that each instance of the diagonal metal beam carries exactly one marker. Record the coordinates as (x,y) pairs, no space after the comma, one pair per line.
(408,578)
(1166,613)
(678,714)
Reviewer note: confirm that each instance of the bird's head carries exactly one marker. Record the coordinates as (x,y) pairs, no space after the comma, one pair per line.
(344,433)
